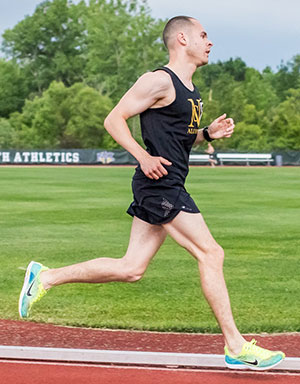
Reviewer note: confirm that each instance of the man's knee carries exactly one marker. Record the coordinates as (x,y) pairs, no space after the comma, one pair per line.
(131,273)
(215,254)
(212,254)
(133,277)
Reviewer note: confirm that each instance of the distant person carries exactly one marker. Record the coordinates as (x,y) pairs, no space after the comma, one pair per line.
(170,109)
(210,150)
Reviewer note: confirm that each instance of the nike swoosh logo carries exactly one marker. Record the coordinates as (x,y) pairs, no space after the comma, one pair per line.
(29,289)
(250,362)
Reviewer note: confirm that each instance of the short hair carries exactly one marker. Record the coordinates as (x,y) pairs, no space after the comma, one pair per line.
(173,24)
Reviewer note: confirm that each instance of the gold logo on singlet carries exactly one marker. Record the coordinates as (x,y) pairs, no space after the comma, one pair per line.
(196,116)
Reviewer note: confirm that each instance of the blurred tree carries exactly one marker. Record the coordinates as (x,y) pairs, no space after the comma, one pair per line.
(87,110)
(13,88)
(284,123)
(248,137)
(287,77)
(236,68)
(258,90)
(7,134)
(223,90)
(124,41)
(43,119)
(107,44)
(239,103)
(62,118)
(50,44)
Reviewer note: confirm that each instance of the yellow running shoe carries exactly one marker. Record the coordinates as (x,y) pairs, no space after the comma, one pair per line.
(32,290)
(253,357)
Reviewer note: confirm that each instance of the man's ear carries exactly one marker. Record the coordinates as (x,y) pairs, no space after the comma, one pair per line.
(181,38)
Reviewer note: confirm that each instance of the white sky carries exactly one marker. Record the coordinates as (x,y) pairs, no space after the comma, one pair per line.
(261,32)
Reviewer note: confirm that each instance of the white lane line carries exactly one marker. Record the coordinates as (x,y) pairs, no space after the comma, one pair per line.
(127,357)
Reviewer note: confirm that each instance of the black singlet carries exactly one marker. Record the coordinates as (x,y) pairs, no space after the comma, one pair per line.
(170,131)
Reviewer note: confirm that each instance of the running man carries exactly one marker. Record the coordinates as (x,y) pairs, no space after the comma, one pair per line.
(170,109)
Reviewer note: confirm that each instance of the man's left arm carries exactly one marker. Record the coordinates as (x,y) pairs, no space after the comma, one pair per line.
(218,129)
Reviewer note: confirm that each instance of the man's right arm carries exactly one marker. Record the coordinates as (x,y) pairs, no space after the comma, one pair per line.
(148,89)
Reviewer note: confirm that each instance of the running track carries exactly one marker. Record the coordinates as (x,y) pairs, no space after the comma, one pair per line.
(22,333)
(57,373)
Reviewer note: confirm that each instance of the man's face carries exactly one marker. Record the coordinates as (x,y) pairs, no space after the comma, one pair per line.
(199,45)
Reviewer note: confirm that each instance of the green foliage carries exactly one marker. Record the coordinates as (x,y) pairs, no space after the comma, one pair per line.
(284,125)
(248,137)
(87,111)
(262,122)
(62,118)
(258,90)
(107,45)
(123,42)
(287,77)
(50,44)
(7,134)
(13,89)
(236,68)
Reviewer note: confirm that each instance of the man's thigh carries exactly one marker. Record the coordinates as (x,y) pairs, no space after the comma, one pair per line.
(145,240)
(191,232)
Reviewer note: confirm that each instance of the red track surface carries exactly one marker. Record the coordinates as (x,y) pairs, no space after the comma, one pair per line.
(24,333)
(42,373)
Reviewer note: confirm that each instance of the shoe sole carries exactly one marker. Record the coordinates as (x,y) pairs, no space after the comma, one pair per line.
(250,367)
(23,292)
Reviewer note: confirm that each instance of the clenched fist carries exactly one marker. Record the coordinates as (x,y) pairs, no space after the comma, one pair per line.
(221,127)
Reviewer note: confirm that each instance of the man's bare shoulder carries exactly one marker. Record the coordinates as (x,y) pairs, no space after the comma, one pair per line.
(148,90)
(160,81)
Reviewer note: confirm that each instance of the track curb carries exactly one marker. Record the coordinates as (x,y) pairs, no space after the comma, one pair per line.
(127,357)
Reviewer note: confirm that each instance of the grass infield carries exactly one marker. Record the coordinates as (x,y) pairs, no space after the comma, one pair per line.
(61,216)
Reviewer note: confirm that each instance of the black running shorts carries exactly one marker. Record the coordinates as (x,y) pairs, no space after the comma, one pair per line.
(159,201)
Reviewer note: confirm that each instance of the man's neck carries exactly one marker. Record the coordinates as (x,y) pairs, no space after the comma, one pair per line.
(183,69)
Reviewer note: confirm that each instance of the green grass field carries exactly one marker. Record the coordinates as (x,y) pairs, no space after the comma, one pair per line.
(61,216)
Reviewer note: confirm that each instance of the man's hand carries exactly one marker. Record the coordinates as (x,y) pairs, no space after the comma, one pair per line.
(221,127)
(152,166)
